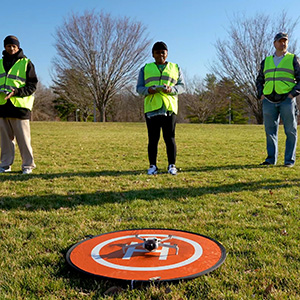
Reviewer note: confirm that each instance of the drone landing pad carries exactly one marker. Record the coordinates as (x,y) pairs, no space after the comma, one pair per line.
(103,255)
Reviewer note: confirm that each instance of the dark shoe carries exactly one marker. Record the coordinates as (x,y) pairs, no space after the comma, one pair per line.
(265,163)
(5,169)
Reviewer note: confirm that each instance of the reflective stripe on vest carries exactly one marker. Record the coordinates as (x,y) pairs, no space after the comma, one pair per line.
(15,78)
(280,78)
(153,76)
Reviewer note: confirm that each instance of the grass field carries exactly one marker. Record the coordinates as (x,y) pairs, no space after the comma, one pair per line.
(91,179)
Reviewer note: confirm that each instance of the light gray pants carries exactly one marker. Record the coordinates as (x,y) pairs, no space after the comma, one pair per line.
(12,129)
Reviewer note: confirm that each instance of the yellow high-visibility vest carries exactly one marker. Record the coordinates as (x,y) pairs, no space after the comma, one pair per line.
(153,76)
(15,78)
(280,78)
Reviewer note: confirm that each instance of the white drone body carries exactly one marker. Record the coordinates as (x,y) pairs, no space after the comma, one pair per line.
(151,244)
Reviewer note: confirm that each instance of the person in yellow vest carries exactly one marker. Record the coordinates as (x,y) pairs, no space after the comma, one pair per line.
(18,82)
(160,82)
(278,83)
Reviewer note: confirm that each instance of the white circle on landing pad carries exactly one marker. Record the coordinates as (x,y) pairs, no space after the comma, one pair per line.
(97,257)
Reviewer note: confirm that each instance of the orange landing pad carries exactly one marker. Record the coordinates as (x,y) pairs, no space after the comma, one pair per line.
(104,255)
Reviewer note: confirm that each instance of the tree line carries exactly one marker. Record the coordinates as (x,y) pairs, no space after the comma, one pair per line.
(98,59)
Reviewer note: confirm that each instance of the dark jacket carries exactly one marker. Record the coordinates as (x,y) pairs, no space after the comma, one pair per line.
(8,110)
(274,97)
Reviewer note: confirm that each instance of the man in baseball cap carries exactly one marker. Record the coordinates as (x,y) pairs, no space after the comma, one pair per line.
(278,84)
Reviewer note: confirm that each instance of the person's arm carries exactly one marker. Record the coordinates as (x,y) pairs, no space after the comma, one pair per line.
(260,81)
(31,82)
(296,89)
(179,87)
(140,86)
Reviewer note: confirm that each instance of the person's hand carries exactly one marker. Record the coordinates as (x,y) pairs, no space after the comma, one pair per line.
(10,95)
(167,89)
(290,96)
(262,97)
(151,90)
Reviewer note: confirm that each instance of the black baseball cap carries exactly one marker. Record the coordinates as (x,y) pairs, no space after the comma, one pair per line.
(281,35)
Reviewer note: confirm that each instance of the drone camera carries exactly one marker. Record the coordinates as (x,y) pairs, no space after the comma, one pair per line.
(150,245)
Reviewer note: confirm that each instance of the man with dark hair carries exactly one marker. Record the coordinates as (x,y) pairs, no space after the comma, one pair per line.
(160,82)
(18,82)
(278,83)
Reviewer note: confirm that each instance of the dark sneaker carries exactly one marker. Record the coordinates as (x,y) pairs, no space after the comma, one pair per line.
(265,163)
(5,170)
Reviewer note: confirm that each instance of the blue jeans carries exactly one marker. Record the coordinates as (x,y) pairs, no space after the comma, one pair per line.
(272,112)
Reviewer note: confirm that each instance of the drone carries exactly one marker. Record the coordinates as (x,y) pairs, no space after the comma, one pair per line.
(151,244)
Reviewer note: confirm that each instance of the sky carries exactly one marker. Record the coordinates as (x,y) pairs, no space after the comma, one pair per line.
(190,28)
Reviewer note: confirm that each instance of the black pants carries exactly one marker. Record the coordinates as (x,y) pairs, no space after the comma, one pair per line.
(154,125)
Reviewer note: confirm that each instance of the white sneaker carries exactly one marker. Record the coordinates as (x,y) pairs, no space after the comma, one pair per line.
(152,170)
(27,171)
(172,170)
(4,170)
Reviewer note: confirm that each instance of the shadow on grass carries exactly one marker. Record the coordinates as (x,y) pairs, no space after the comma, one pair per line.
(18,176)
(54,201)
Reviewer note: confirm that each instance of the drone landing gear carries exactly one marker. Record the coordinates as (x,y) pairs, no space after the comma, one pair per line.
(151,244)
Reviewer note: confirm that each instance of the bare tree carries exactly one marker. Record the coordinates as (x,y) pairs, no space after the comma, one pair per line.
(249,41)
(43,107)
(106,51)
(127,106)
(71,87)
(201,98)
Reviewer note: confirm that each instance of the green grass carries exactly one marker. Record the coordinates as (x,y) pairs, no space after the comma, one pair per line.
(91,179)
